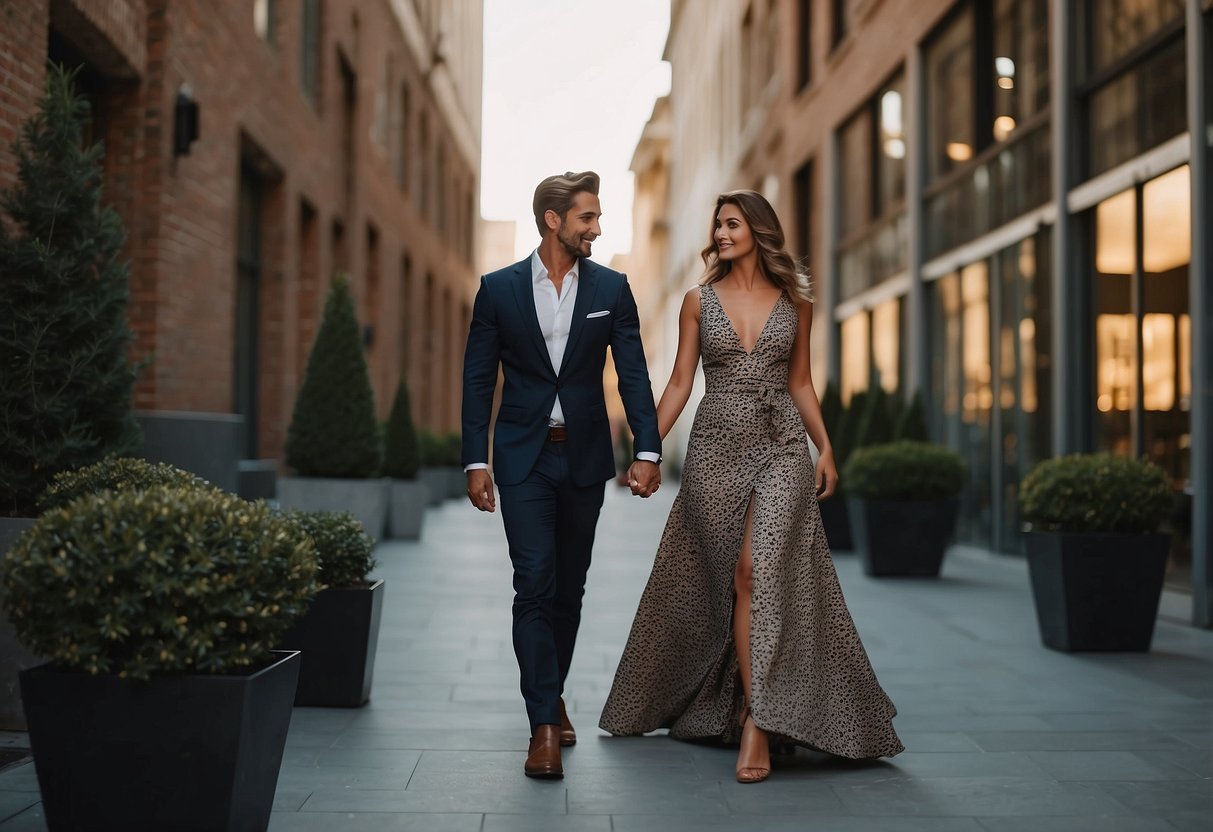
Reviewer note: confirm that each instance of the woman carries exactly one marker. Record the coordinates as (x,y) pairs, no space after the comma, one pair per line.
(743,589)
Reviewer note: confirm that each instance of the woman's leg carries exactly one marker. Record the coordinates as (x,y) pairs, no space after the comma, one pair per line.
(754,759)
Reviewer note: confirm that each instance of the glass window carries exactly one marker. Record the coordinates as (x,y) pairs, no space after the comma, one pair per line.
(804,212)
(891,146)
(804,52)
(855,192)
(309,50)
(854,355)
(886,344)
(950,117)
(841,14)
(1115,353)
(1021,63)
(264,19)
(1117,26)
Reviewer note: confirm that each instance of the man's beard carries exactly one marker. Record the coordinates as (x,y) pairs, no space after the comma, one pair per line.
(572,244)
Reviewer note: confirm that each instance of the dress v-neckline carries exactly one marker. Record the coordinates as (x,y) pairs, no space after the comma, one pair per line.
(733,328)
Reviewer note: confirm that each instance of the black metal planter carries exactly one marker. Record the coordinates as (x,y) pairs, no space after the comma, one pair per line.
(837,522)
(191,753)
(902,538)
(1097,591)
(337,636)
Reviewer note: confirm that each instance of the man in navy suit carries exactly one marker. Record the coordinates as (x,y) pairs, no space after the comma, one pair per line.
(547,322)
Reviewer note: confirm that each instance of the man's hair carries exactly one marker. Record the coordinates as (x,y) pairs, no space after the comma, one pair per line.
(556,193)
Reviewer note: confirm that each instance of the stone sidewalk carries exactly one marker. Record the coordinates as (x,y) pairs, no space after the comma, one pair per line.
(1001,734)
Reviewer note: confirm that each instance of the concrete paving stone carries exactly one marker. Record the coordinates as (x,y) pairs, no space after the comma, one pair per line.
(1073,824)
(14,803)
(1163,799)
(1197,763)
(1099,765)
(936,741)
(345,777)
(791,823)
(473,719)
(977,797)
(438,738)
(22,778)
(289,798)
(372,822)
(546,823)
(960,722)
(385,758)
(298,739)
(31,820)
(653,797)
(1076,741)
(544,798)
(970,764)
(780,796)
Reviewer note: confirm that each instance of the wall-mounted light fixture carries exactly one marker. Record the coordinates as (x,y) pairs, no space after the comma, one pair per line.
(185,121)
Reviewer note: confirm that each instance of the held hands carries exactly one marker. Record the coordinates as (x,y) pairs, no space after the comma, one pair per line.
(644,478)
(827,474)
(480,490)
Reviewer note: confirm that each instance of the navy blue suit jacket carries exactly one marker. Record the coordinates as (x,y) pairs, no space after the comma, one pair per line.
(505,331)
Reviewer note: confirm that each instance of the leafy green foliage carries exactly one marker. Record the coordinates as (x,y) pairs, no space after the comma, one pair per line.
(875,426)
(904,470)
(333,432)
(453,449)
(433,448)
(1102,492)
(402,454)
(65,381)
(831,410)
(912,423)
(849,429)
(343,549)
(160,581)
(115,474)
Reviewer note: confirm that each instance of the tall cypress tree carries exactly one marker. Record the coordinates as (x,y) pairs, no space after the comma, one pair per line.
(333,432)
(402,452)
(875,425)
(65,379)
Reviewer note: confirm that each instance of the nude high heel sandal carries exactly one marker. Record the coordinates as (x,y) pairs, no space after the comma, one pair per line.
(749,774)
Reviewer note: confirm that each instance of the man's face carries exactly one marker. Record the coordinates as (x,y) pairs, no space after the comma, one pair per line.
(579,227)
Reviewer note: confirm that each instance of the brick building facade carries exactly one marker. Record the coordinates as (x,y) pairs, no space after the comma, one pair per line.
(331,136)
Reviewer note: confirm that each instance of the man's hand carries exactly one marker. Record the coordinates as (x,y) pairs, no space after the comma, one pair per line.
(480,489)
(644,478)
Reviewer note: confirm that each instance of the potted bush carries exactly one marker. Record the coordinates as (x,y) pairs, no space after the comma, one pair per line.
(65,380)
(433,471)
(158,610)
(1095,555)
(116,473)
(903,501)
(333,442)
(456,478)
(401,461)
(338,634)
(834,515)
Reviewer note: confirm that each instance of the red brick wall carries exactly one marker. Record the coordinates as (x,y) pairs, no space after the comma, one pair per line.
(181,212)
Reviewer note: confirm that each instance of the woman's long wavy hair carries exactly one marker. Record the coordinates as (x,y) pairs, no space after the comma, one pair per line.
(778,266)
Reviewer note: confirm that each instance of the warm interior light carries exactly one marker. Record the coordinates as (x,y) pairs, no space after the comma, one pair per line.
(1004,66)
(1027,358)
(854,355)
(886,338)
(895,148)
(1114,234)
(1003,127)
(975,352)
(1114,370)
(1158,361)
(1167,221)
(959,151)
(1185,362)
(1006,83)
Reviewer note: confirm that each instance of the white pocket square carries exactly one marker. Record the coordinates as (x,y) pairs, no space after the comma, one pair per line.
(599,314)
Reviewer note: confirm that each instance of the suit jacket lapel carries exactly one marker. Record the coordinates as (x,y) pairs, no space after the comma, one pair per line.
(587,279)
(524,293)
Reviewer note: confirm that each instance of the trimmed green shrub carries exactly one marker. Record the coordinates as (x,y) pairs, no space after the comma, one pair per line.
(160,581)
(65,378)
(433,449)
(115,473)
(849,429)
(912,424)
(1102,492)
(875,426)
(343,549)
(402,451)
(453,445)
(832,410)
(904,471)
(333,432)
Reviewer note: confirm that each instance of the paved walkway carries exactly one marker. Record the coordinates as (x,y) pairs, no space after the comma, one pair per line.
(1001,733)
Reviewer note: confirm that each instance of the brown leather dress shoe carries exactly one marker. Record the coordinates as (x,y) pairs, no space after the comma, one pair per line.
(543,755)
(567,735)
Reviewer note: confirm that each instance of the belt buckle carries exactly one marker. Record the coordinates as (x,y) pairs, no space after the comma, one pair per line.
(558,433)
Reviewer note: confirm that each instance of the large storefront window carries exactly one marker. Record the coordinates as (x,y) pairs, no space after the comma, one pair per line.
(856,367)
(988,150)
(1134,81)
(872,351)
(1143,329)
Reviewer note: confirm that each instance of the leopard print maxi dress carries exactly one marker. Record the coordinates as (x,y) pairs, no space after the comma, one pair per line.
(812,682)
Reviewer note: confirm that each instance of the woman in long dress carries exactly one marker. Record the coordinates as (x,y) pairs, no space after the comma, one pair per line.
(742,630)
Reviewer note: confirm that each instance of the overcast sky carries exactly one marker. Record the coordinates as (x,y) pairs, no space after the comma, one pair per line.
(568,85)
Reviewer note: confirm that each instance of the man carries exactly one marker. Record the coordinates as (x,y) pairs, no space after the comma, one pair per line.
(547,322)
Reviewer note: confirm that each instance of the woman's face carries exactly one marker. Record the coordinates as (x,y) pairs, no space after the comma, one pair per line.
(732,236)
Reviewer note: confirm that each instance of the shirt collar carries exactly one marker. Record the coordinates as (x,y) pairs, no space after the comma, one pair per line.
(539,272)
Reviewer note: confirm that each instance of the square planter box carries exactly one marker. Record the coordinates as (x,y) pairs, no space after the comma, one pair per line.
(406,509)
(1097,591)
(437,481)
(178,752)
(337,637)
(365,499)
(837,522)
(456,483)
(902,538)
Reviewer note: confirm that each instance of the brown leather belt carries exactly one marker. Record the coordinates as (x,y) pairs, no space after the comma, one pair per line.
(558,434)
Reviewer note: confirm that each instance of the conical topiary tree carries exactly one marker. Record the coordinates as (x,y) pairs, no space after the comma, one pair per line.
(402,451)
(65,378)
(333,431)
(831,410)
(875,426)
(848,430)
(913,421)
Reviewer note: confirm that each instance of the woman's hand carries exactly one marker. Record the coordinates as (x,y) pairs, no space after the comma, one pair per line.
(827,474)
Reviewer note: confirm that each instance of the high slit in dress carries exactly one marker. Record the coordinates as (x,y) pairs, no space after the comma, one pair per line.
(811,679)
